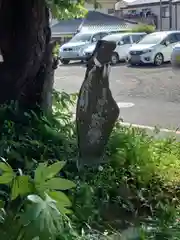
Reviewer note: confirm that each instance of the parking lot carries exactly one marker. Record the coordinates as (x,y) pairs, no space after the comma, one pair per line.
(147,95)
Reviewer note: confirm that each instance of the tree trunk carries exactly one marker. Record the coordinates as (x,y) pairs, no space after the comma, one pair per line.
(24,42)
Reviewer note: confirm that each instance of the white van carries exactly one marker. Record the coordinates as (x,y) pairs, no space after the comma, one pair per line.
(154,48)
(123,42)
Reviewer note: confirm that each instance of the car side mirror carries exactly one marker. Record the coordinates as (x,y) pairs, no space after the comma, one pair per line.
(166,43)
(120,43)
(94,39)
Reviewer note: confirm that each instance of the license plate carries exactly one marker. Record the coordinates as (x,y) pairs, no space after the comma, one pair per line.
(178,58)
(135,58)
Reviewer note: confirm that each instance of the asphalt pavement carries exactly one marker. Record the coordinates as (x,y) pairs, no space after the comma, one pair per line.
(146,95)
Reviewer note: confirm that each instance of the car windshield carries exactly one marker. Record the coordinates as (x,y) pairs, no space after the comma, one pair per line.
(152,39)
(113,37)
(82,37)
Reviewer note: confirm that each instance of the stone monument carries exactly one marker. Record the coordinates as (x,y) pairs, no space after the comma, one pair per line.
(96,111)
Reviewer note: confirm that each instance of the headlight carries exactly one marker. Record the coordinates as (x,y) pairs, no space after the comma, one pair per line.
(148,50)
(78,49)
(81,51)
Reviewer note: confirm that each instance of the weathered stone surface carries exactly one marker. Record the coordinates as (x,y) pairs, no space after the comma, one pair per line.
(96,111)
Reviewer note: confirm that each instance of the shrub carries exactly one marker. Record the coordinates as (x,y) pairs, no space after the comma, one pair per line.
(25,135)
(138,185)
(139,180)
(144,28)
(27,140)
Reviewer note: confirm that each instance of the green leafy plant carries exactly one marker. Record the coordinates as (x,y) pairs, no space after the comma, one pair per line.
(27,138)
(136,187)
(139,180)
(67,9)
(144,28)
(37,207)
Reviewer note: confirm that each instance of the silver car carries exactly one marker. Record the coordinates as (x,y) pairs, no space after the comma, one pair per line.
(74,49)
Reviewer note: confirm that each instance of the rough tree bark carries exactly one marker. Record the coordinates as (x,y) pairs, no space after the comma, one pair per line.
(24,42)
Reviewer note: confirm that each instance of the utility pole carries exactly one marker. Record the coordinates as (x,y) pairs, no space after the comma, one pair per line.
(170,14)
(160,5)
(176,13)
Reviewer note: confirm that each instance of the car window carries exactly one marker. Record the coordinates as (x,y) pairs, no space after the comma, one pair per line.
(153,38)
(103,34)
(137,38)
(97,36)
(178,36)
(172,38)
(81,37)
(126,40)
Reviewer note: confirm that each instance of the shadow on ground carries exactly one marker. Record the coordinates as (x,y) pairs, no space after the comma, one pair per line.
(73,64)
(145,66)
(83,64)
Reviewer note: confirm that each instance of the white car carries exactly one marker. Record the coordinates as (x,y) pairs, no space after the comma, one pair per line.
(175,56)
(155,48)
(123,42)
(74,49)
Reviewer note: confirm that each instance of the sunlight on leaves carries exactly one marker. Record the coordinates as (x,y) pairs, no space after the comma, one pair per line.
(59,184)
(21,186)
(39,172)
(43,215)
(54,169)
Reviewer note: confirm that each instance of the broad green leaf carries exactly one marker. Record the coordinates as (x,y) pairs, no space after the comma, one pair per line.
(25,186)
(20,186)
(6,167)
(55,168)
(39,173)
(6,178)
(61,198)
(32,212)
(15,189)
(59,184)
(63,210)
(41,187)
(43,216)
(34,198)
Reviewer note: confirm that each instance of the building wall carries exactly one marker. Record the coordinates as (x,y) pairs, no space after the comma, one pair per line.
(165,20)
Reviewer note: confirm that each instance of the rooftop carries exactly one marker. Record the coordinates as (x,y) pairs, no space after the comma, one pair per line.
(94,21)
(144,2)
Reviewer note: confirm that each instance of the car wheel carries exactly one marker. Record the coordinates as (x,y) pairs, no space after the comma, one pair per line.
(64,61)
(158,59)
(114,59)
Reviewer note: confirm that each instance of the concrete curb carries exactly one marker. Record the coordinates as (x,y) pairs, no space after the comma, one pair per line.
(151,131)
(163,132)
